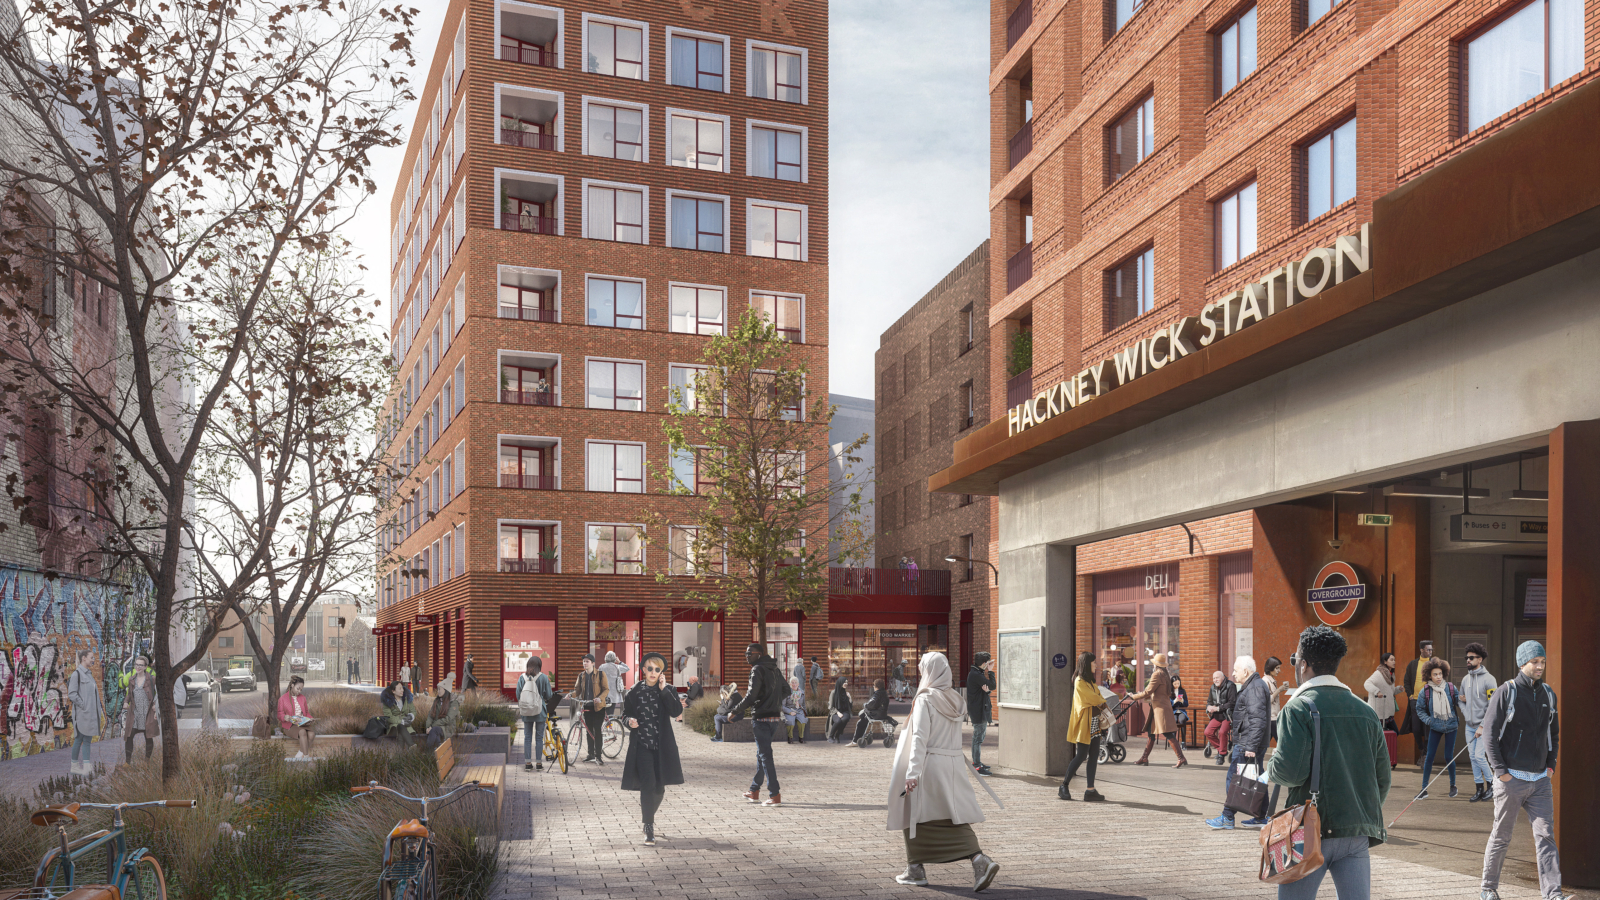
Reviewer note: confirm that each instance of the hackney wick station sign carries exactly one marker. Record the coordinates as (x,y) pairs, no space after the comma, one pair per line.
(1228,315)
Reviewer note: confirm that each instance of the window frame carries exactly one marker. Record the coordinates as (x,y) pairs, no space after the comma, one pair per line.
(643,109)
(751,46)
(702,37)
(1304,152)
(727,218)
(1220,37)
(673,113)
(1140,308)
(1483,30)
(750,128)
(700,404)
(1219,261)
(644,371)
(751,204)
(614,21)
(644,208)
(700,486)
(1111,16)
(614,279)
(800,330)
(683,564)
(558,125)
(550,527)
(722,327)
(559,182)
(588,451)
(590,527)
(1305,10)
(1137,111)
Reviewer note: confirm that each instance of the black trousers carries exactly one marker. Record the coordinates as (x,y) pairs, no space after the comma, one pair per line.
(592,720)
(127,745)
(1091,751)
(649,802)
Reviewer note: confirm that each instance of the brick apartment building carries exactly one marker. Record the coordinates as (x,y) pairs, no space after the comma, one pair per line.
(591,189)
(1302,278)
(932,369)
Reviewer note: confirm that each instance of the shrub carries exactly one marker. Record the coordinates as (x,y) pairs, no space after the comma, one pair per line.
(341,711)
(698,714)
(21,844)
(487,706)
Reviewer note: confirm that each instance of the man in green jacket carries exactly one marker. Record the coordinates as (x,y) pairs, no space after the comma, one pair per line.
(1354,767)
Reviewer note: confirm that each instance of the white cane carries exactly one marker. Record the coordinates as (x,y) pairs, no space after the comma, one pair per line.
(1425,787)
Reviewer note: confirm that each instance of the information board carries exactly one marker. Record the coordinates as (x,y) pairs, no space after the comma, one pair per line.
(1021,668)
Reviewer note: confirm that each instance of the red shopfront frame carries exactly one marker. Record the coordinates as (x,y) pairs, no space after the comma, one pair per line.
(520,638)
(697,647)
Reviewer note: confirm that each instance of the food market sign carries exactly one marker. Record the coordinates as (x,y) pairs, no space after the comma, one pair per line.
(1229,314)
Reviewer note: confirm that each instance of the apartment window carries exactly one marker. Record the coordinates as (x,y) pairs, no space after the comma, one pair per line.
(1330,169)
(776,74)
(615,214)
(696,310)
(615,304)
(527,385)
(1123,10)
(225,641)
(1316,9)
(615,385)
(616,132)
(1236,226)
(969,402)
(775,153)
(686,557)
(689,472)
(1521,56)
(698,223)
(965,547)
(1132,138)
(969,325)
(694,388)
(522,548)
(616,468)
(517,302)
(792,411)
(698,142)
(776,231)
(785,313)
(1131,287)
(611,49)
(1236,51)
(697,63)
(615,549)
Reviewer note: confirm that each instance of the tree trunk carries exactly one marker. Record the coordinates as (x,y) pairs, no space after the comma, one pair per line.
(274,667)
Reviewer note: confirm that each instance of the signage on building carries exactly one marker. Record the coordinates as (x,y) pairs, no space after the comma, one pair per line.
(1059,660)
(1376,520)
(1499,529)
(1336,593)
(383,630)
(907,636)
(1229,314)
(427,618)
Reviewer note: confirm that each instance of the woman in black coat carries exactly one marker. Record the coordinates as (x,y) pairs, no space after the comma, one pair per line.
(840,710)
(649,708)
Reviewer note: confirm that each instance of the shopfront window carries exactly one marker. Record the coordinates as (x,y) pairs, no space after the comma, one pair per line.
(865,653)
(697,650)
(783,644)
(1136,616)
(522,640)
(621,638)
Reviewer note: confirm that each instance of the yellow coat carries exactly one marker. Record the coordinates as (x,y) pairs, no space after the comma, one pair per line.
(1086,701)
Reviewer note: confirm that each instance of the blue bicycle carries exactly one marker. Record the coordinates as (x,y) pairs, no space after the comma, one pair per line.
(410,869)
(128,874)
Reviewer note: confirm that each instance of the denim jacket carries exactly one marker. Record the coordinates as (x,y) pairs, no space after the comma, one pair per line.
(1425,708)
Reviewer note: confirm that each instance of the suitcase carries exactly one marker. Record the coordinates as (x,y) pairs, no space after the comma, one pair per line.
(1392,741)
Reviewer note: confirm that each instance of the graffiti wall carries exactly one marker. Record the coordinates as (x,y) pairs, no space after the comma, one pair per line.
(43,624)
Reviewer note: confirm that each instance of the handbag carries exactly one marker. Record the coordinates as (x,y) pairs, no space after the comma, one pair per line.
(1106,720)
(1247,792)
(1291,843)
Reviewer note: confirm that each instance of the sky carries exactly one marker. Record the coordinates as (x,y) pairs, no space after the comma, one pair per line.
(908,162)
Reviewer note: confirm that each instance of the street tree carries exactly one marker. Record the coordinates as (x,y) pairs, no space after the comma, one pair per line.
(150,145)
(747,439)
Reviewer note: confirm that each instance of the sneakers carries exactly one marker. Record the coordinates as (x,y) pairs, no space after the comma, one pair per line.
(527,767)
(774,800)
(1220,760)
(913,875)
(1220,823)
(1452,790)
(716,740)
(1259,822)
(1093,796)
(539,766)
(752,796)
(982,770)
(1422,796)
(649,834)
(983,871)
(1489,895)
(1063,793)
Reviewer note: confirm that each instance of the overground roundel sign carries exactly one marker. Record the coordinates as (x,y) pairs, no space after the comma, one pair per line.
(1336,593)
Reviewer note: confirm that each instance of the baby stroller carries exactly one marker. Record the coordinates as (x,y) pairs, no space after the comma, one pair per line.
(1111,749)
(877,728)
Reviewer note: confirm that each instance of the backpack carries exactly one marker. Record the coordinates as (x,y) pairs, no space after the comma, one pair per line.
(530,702)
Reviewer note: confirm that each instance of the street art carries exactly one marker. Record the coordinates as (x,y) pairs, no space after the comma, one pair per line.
(43,624)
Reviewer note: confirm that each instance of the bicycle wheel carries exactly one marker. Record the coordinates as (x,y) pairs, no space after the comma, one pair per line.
(555,749)
(147,882)
(575,736)
(612,735)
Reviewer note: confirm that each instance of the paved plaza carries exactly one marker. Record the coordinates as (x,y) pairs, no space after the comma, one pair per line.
(578,835)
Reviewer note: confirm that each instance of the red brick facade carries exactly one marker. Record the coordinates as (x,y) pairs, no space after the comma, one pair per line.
(474,68)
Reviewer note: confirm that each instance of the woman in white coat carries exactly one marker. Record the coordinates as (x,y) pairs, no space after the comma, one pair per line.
(930,798)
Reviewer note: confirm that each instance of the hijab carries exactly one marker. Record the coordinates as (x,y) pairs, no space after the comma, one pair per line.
(936,684)
(839,694)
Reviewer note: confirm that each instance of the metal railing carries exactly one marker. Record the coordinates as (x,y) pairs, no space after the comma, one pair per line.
(528,398)
(929,582)
(530,482)
(1018,22)
(529,313)
(531,140)
(529,56)
(528,566)
(1021,144)
(1019,268)
(1019,388)
(531,224)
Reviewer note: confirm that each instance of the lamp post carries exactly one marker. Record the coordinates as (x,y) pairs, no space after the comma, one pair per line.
(951,559)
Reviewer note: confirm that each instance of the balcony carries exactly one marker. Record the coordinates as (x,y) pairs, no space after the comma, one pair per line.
(513,50)
(903,582)
(1021,144)
(1018,22)
(528,398)
(530,482)
(1019,268)
(529,140)
(536,566)
(529,313)
(1019,388)
(530,224)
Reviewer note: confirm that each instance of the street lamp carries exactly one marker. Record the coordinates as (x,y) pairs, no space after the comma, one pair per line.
(969,559)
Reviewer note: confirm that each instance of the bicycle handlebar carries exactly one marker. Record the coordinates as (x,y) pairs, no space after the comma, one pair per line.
(171,804)
(373,787)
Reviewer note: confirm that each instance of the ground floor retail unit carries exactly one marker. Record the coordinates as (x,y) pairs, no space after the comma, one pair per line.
(1416,446)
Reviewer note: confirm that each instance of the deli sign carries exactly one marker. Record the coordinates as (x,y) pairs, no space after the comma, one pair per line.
(1229,314)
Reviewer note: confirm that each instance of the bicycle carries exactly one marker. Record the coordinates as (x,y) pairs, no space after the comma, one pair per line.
(410,869)
(130,874)
(612,734)
(555,749)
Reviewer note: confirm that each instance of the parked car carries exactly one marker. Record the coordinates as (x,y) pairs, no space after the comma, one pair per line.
(199,681)
(238,680)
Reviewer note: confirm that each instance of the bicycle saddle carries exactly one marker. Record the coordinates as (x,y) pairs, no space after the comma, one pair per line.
(409,828)
(50,815)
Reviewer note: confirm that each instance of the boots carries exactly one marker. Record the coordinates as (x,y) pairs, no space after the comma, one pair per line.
(1177,747)
(983,871)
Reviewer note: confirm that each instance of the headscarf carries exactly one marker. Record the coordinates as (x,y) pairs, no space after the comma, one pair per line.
(839,694)
(936,681)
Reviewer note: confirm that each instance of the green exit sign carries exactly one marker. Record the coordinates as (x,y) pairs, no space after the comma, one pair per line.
(1381,521)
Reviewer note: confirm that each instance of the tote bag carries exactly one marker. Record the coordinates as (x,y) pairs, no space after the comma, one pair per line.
(1291,843)
(1247,793)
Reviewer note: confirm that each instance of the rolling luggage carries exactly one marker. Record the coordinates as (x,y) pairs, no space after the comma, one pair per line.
(1392,741)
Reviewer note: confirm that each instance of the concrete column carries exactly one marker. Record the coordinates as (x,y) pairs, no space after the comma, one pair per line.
(1569,644)
(1037,589)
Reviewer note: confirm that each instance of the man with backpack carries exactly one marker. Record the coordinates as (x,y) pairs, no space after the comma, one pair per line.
(1522,732)
(533,704)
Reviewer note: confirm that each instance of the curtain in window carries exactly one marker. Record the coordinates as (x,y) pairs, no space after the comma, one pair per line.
(602,213)
(789,75)
(762,151)
(710,225)
(602,467)
(684,64)
(683,222)
(602,385)
(761,73)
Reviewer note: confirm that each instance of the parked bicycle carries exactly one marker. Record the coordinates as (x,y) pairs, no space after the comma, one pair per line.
(555,747)
(128,874)
(613,734)
(410,867)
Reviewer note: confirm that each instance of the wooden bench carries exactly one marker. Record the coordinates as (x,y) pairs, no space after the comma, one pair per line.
(488,769)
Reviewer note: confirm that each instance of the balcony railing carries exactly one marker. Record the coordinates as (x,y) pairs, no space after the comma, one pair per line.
(1019,268)
(528,398)
(529,482)
(1017,24)
(911,582)
(1021,144)
(529,566)
(531,140)
(529,313)
(528,56)
(531,224)
(1019,388)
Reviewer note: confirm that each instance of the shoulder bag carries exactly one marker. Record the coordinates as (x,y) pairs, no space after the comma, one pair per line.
(1247,791)
(1291,843)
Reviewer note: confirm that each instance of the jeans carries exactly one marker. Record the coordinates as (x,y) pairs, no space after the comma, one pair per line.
(592,720)
(81,742)
(718,719)
(532,736)
(766,766)
(1482,773)
(978,731)
(1347,860)
(1080,752)
(1236,762)
(1435,738)
(1537,799)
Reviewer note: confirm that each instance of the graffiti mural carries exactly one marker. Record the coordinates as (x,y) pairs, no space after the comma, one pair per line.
(44,622)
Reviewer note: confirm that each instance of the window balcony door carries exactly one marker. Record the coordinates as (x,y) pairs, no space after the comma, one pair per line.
(527,468)
(523,549)
(527,304)
(525,215)
(527,386)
